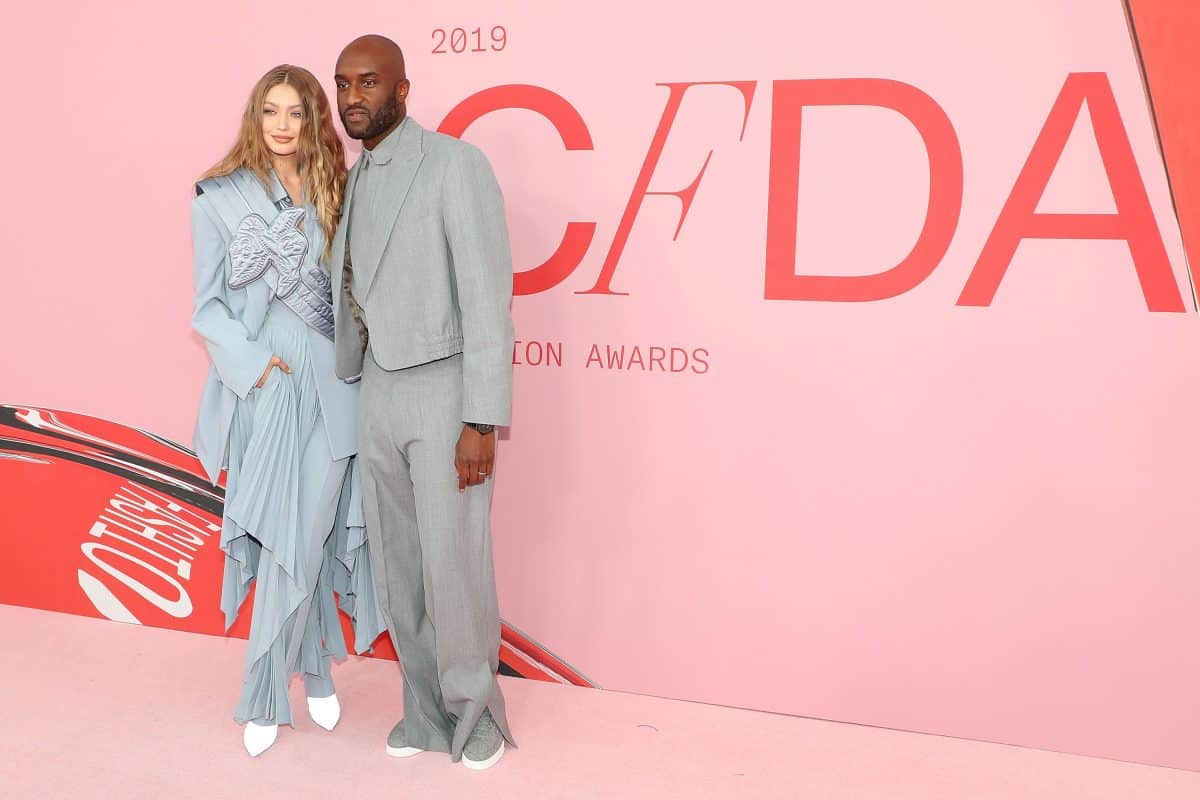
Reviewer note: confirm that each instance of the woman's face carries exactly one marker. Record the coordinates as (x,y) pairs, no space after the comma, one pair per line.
(282,119)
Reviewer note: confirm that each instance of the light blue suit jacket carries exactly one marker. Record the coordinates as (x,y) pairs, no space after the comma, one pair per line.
(229,321)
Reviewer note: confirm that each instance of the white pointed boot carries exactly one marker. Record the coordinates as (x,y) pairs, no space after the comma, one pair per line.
(325,711)
(258,738)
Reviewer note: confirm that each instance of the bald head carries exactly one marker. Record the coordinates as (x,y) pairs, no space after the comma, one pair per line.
(372,88)
(380,49)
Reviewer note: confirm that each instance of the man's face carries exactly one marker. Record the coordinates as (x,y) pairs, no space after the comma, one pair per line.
(368,96)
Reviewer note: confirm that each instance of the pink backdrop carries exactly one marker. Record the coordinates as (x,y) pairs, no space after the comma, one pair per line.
(975,520)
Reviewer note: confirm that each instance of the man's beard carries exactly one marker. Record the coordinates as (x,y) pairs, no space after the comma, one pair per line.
(378,122)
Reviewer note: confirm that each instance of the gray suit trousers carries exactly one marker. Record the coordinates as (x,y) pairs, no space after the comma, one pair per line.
(431,547)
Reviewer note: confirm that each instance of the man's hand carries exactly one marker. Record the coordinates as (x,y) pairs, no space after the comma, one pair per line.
(276,362)
(474,456)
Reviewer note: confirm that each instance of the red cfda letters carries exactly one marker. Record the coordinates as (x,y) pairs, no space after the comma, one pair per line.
(1133,221)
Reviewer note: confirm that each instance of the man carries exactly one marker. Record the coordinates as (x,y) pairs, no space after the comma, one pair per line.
(423,316)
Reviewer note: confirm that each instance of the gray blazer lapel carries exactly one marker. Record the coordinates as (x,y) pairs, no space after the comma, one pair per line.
(400,174)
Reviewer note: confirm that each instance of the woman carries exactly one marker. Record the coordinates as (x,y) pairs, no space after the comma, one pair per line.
(273,412)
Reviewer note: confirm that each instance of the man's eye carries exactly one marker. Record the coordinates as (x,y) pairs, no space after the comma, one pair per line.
(368,83)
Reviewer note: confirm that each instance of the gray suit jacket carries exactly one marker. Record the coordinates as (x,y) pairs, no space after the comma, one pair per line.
(438,268)
(229,321)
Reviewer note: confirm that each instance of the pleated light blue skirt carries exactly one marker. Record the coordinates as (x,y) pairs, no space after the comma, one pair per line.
(294,527)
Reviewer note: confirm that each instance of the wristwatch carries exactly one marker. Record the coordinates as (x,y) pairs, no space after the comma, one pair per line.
(482,428)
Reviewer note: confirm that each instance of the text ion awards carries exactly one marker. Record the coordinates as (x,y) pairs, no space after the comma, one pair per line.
(613,357)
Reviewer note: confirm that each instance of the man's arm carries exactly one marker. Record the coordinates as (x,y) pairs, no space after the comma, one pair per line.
(482,264)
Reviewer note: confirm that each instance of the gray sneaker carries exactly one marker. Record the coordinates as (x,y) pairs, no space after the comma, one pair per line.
(485,745)
(397,745)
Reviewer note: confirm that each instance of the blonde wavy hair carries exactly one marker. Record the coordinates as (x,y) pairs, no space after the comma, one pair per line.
(322,158)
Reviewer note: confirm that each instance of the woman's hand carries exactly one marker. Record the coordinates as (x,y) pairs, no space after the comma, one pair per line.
(276,361)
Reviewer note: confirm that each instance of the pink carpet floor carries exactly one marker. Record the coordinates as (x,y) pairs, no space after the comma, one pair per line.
(100,709)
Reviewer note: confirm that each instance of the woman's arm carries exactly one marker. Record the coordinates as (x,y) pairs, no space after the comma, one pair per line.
(239,360)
